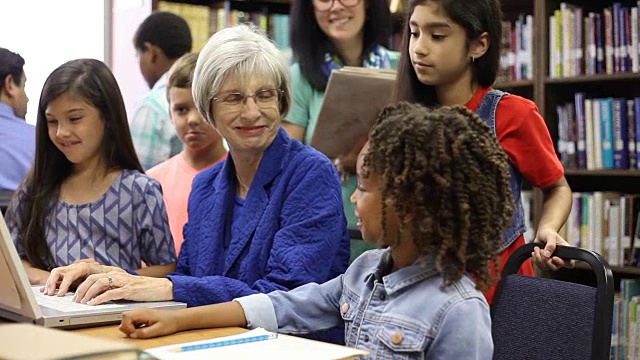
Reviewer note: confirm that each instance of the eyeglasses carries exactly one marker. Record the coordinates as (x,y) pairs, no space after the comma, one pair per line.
(326,5)
(264,99)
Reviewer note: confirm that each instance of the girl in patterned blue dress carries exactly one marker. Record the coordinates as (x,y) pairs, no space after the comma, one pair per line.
(86,198)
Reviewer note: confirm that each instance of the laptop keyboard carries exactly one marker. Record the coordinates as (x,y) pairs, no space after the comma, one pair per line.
(65,303)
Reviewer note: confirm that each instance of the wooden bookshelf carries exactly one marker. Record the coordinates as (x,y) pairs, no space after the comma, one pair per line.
(608,78)
(549,92)
(515,84)
(604,173)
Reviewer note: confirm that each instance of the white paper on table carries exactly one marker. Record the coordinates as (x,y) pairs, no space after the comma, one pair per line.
(281,348)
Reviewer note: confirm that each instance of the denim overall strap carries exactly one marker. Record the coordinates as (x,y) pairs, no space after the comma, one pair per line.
(487,111)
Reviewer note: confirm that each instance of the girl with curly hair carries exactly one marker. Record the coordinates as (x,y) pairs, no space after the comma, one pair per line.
(433,193)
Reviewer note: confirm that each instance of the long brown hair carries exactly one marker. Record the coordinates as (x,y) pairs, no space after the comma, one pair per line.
(92,81)
(475,17)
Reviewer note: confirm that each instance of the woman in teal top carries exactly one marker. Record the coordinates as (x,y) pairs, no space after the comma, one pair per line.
(327,35)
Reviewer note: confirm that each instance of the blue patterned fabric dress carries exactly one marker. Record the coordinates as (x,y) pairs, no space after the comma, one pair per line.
(127,225)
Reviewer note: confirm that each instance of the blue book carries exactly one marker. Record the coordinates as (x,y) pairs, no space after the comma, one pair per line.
(606,132)
(620,134)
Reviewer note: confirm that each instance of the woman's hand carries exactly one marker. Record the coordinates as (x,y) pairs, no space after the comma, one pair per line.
(119,285)
(542,257)
(62,278)
(148,323)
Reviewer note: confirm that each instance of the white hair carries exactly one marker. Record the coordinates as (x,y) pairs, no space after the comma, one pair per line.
(242,50)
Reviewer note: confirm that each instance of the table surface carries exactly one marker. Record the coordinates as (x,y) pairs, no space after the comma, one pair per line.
(112,333)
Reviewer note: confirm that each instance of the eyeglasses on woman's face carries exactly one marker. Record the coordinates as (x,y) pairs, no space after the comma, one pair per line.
(326,5)
(235,101)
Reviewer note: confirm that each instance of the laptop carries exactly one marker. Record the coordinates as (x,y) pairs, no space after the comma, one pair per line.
(21,302)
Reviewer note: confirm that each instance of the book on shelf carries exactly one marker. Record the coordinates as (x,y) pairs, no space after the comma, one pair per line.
(599,133)
(516,49)
(604,222)
(198,17)
(594,42)
(351,103)
(204,21)
(624,331)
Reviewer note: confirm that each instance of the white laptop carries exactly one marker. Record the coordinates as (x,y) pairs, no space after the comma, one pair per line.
(19,301)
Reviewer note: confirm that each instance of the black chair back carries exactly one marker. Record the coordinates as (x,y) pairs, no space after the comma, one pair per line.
(545,318)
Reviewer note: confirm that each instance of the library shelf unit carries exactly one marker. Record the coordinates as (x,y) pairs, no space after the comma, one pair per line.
(549,91)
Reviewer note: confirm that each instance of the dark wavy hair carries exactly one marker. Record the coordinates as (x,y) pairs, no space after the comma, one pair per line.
(444,169)
(475,17)
(309,43)
(92,81)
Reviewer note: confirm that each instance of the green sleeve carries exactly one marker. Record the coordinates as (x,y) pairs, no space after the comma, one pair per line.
(301,93)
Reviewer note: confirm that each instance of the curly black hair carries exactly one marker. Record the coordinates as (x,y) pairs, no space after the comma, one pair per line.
(443,169)
(168,31)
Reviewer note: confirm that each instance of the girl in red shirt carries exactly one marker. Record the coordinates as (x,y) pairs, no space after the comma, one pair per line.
(450,56)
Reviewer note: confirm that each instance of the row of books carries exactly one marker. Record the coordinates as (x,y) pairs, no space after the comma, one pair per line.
(625,332)
(516,49)
(590,43)
(605,222)
(599,133)
(205,21)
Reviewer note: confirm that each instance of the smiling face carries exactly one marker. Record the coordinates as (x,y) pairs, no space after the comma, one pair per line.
(76,128)
(194,132)
(368,201)
(247,127)
(340,23)
(437,46)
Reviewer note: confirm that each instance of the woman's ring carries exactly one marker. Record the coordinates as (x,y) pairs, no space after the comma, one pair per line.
(110,282)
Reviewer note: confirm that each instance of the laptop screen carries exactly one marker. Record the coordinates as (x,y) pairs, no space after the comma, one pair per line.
(16,295)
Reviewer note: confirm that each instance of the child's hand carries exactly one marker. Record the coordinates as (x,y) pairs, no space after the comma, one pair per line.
(542,257)
(148,323)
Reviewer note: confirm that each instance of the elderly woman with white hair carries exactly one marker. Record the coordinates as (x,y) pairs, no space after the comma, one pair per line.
(268,218)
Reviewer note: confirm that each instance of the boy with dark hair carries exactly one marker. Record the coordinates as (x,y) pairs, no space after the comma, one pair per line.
(160,40)
(17,138)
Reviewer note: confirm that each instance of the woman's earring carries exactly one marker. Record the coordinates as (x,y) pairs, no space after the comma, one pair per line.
(473,59)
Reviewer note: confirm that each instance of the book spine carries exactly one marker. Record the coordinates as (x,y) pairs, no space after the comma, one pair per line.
(608,41)
(634,31)
(606,124)
(636,106)
(620,134)
(581,139)
(631,135)
(589,133)
(600,46)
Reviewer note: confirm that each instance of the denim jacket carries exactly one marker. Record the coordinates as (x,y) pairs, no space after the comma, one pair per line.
(403,315)
(487,112)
